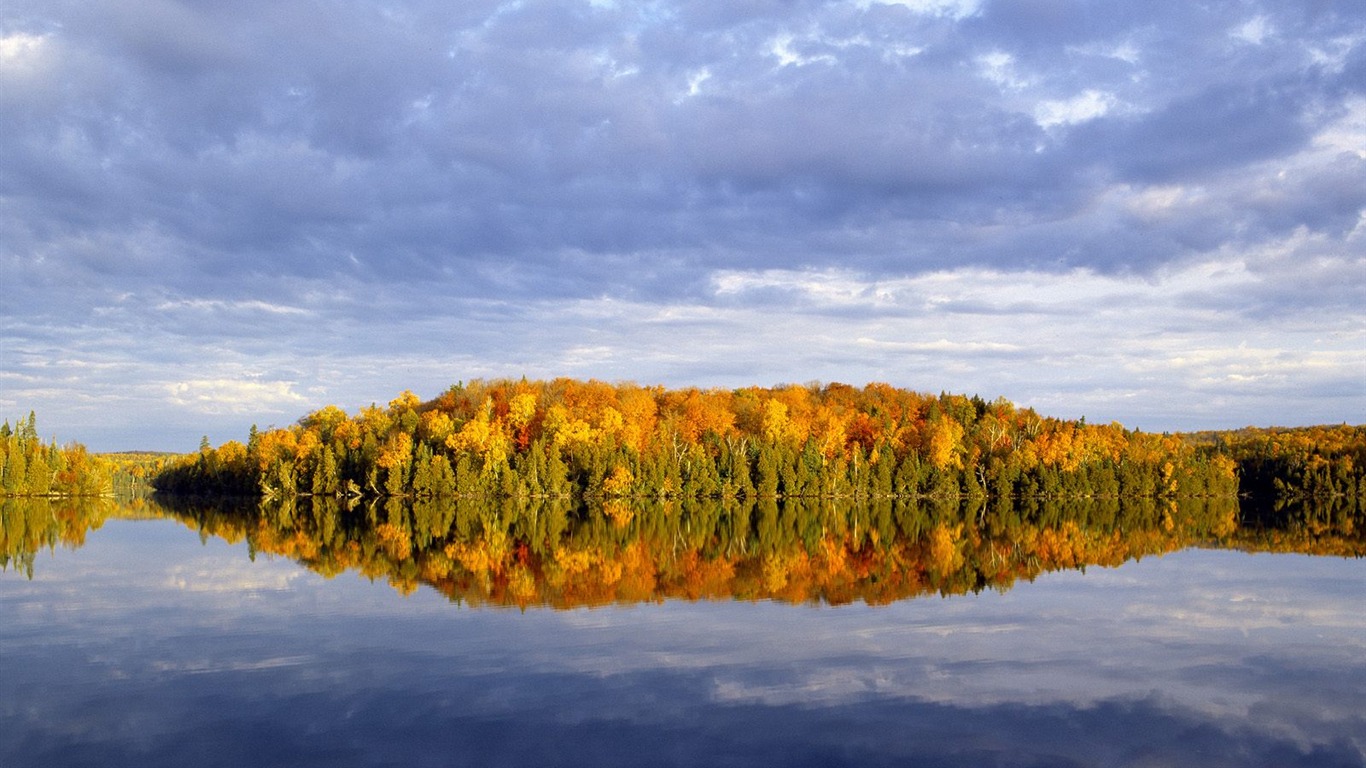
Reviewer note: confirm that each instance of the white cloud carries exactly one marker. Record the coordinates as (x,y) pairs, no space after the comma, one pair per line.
(828,287)
(230,575)
(938,345)
(242,396)
(1000,68)
(19,49)
(1347,133)
(1334,53)
(1158,202)
(219,305)
(1087,105)
(696,79)
(1126,51)
(1254,31)
(781,48)
(954,9)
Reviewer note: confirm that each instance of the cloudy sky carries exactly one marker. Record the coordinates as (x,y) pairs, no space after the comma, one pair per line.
(214,214)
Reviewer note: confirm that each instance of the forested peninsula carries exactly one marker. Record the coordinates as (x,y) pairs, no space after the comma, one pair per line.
(565,437)
(31,468)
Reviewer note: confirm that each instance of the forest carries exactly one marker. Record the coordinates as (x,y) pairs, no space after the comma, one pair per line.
(567,438)
(538,439)
(580,492)
(1322,462)
(28,467)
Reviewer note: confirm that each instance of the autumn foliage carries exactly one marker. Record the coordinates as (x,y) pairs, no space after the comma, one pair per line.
(1323,462)
(30,467)
(536,439)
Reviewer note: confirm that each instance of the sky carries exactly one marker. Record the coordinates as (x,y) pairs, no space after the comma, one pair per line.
(220,214)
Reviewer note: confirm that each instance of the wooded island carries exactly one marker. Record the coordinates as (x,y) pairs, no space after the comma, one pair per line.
(566,437)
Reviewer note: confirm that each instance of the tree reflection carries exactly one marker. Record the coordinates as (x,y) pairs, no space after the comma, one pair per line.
(31,525)
(562,553)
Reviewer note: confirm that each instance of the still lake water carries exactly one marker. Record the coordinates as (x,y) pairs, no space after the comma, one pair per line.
(153,644)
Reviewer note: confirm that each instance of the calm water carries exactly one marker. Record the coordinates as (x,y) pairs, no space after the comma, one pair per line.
(153,644)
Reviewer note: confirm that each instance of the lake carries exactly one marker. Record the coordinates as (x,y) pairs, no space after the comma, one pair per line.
(138,635)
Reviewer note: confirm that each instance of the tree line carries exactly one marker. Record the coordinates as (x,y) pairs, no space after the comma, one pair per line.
(1301,463)
(566,437)
(30,467)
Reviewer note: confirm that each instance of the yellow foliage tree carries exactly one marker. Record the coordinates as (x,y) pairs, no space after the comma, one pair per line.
(946,443)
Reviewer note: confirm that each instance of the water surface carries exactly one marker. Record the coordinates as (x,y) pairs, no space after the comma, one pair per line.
(155,644)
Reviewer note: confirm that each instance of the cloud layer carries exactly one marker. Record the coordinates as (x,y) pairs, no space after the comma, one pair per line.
(1134,211)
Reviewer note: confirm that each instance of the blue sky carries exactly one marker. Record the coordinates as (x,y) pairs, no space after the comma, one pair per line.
(218,214)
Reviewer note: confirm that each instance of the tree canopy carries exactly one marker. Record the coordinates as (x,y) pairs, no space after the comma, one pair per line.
(569,437)
(29,467)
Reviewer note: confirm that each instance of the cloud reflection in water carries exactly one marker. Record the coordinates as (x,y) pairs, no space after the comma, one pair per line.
(1200,657)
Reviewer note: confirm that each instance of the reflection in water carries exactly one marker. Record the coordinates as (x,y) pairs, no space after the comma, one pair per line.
(150,646)
(558,554)
(30,525)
